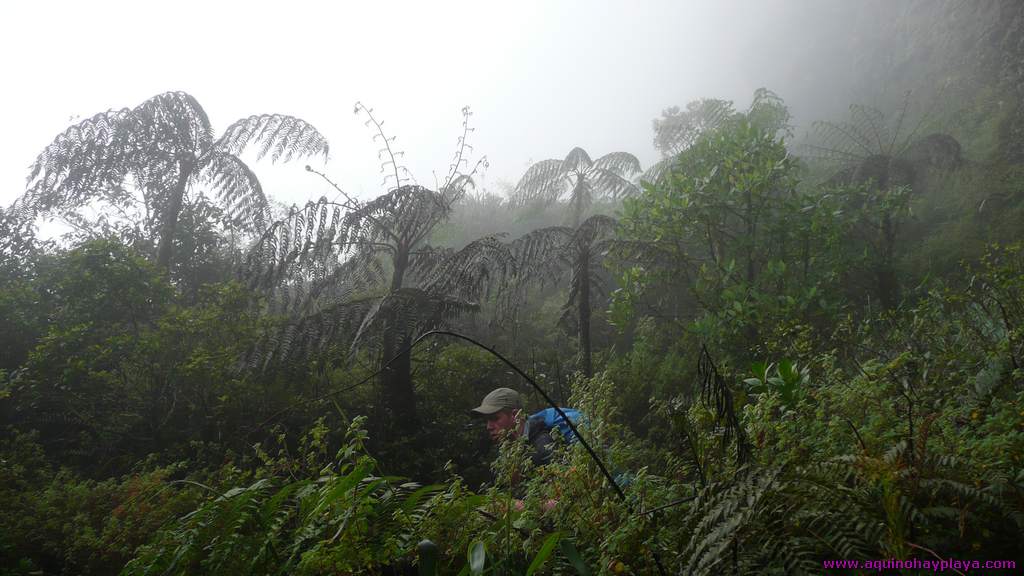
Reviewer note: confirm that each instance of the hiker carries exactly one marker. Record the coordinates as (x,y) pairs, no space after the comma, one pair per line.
(503,410)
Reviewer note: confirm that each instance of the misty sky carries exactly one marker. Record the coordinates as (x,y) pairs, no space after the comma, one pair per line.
(540,77)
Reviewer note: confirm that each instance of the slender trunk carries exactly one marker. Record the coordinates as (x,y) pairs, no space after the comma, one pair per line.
(751,239)
(751,231)
(584,312)
(397,378)
(888,287)
(807,256)
(170,221)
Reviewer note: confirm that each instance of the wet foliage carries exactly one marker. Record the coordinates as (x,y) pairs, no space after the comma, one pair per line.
(782,353)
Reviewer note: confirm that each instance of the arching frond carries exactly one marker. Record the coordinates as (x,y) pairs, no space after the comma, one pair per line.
(169,122)
(275,134)
(677,130)
(577,160)
(407,312)
(302,243)
(658,172)
(612,184)
(620,163)
(96,156)
(457,188)
(542,252)
(580,199)
(405,215)
(867,124)
(593,229)
(716,395)
(237,188)
(769,112)
(82,159)
(867,133)
(472,272)
(545,181)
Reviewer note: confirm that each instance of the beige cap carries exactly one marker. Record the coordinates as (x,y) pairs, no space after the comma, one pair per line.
(498,400)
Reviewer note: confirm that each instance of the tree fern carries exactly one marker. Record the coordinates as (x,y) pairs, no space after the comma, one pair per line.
(578,180)
(546,255)
(360,276)
(868,146)
(163,148)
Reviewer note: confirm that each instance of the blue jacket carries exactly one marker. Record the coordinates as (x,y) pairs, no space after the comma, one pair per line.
(538,431)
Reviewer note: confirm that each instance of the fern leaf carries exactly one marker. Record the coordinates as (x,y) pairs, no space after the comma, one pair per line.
(276,134)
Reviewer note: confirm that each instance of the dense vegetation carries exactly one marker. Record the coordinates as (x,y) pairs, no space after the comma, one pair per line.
(785,353)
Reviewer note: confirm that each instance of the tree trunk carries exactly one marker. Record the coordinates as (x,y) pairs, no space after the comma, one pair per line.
(584,312)
(397,378)
(888,285)
(751,238)
(170,220)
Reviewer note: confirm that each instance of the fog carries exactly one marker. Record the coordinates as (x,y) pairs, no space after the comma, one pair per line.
(539,77)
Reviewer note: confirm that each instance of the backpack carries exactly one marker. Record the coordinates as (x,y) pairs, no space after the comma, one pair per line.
(552,419)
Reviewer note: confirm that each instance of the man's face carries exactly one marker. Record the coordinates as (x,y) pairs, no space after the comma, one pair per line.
(501,423)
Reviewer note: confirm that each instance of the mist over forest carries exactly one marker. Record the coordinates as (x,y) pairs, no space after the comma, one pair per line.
(671,289)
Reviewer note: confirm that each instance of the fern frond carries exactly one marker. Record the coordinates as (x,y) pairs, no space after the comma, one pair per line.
(658,172)
(237,188)
(613,185)
(677,130)
(544,181)
(275,134)
(542,253)
(716,396)
(470,273)
(171,121)
(619,163)
(577,161)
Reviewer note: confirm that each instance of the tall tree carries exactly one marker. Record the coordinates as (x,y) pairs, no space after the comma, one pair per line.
(163,148)
(360,275)
(578,180)
(544,253)
(887,161)
(548,253)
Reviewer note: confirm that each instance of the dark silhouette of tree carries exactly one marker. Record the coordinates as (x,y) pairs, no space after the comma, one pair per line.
(871,152)
(547,254)
(360,276)
(163,149)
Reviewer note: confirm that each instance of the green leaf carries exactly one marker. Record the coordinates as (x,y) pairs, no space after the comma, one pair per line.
(545,551)
(573,555)
(477,558)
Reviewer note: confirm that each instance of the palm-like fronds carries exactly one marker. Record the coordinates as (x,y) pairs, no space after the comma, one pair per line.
(546,255)
(868,146)
(677,129)
(583,179)
(280,136)
(163,147)
(359,275)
